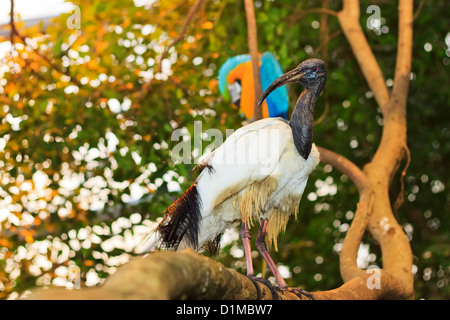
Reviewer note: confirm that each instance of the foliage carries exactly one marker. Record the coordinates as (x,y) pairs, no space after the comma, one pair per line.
(85,142)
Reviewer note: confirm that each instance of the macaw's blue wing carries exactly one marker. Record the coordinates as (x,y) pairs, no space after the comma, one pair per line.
(277,101)
(229,65)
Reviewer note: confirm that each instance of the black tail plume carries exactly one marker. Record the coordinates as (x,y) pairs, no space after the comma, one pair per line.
(181,220)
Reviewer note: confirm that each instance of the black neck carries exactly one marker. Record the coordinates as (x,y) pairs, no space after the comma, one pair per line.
(302,120)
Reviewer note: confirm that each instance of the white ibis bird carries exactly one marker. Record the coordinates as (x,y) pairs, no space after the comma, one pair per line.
(257,175)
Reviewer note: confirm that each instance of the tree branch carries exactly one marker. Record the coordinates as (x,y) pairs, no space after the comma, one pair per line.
(55,66)
(349,20)
(395,247)
(294,17)
(12,25)
(146,87)
(253,48)
(345,166)
(404,58)
(186,23)
(323,49)
(168,275)
(399,201)
(349,252)
(419,8)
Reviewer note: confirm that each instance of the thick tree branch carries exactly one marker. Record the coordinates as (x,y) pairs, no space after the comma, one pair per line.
(395,247)
(345,166)
(349,20)
(187,275)
(168,275)
(404,58)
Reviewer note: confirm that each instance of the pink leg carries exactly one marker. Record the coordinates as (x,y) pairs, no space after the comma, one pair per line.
(262,248)
(246,236)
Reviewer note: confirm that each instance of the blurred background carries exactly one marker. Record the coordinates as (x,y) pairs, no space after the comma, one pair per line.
(89,102)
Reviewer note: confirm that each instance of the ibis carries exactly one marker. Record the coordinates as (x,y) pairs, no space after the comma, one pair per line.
(257,176)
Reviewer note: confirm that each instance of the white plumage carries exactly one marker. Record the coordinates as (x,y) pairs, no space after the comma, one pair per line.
(261,153)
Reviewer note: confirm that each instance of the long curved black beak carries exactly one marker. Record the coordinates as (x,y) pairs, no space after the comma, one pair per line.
(289,77)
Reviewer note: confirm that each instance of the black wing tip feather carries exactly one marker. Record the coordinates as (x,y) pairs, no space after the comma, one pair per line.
(202,166)
(183,220)
(213,247)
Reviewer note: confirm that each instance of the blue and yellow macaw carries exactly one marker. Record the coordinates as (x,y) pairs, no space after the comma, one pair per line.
(236,84)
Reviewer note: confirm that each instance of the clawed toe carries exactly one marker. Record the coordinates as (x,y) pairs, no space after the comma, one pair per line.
(301,293)
(273,289)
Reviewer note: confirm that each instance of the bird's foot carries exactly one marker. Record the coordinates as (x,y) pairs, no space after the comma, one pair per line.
(300,293)
(273,289)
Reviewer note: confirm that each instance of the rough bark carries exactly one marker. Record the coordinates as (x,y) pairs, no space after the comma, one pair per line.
(191,276)
(349,21)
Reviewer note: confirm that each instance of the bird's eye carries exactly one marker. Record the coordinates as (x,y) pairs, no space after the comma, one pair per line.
(315,69)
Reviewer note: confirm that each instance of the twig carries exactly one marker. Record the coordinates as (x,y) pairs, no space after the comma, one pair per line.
(295,17)
(14,32)
(419,8)
(216,19)
(313,10)
(180,36)
(330,37)
(146,86)
(400,197)
(167,12)
(165,97)
(46,59)
(13,27)
(323,49)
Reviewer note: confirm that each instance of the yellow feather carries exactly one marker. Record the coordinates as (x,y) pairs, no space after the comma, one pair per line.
(253,203)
